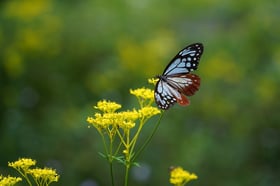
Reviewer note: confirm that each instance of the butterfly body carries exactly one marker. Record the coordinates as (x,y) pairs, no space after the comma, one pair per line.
(177,82)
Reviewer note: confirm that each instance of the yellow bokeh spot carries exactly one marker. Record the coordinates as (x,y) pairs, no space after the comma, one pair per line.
(26,9)
(267,89)
(30,39)
(222,66)
(145,57)
(13,63)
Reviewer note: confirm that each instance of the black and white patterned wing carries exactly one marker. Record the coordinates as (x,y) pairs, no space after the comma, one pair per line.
(185,61)
(165,95)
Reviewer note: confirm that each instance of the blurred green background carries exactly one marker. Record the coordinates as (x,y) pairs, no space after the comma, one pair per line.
(58,58)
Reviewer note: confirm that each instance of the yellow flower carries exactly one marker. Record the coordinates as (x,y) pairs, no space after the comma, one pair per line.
(123,119)
(126,119)
(148,111)
(180,177)
(101,121)
(126,125)
(107,106)
(143,93)
(23,163)
(153,80)
(128,115)
(9,180)
(45,175)
(125,152)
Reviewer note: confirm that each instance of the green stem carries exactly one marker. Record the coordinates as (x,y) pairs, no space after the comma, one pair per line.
(134,140)
(128,157)
(148,139)
(29,182)
(118,149)
(109,155)
(25,176)
(112,173)
(104,142)
(111,161)
(126,175)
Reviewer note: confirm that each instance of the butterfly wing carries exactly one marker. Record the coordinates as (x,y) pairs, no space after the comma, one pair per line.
(166,95)
(185,61)
(186,84)
(174,88)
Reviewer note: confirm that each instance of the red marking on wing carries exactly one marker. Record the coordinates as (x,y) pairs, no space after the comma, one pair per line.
(182,100)
(192,87)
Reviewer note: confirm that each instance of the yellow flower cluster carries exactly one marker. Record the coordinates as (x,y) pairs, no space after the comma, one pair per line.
(109,118)
(179,177)
(147,112)
(144,96)
(107,106)
(118,119)
(9,180)
(41,176)
(143,93)
(45,175)
(23,163)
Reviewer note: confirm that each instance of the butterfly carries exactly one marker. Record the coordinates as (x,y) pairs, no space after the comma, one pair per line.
(177,82)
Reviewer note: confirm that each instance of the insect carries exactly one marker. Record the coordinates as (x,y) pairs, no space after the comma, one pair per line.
(177,81)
